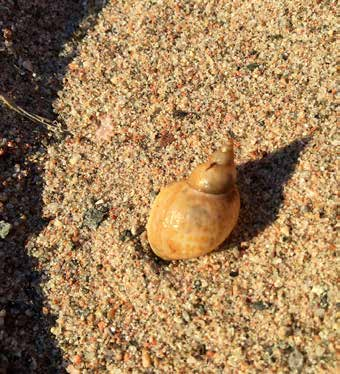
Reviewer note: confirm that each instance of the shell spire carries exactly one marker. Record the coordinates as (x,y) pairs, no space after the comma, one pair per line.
(218,174)
(225,156)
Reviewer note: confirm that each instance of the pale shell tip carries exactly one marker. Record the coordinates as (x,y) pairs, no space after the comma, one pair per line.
(227,146)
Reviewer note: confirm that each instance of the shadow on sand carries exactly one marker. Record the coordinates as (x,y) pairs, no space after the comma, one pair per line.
(32,64)
(261,184)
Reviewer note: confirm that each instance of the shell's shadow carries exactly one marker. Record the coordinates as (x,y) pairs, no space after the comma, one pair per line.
(261,185)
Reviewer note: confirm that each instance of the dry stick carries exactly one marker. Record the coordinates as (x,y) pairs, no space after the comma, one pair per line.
(51,125)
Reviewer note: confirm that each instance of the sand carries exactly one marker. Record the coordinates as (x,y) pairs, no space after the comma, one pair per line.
(154,88)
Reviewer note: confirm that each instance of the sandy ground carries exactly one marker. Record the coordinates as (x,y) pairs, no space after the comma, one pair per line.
(149,93)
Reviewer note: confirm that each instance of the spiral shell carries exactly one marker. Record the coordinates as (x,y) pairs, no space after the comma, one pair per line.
(192,217)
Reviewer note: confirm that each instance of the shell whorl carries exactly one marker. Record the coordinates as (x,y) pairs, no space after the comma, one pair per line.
(192,217)
(218,174)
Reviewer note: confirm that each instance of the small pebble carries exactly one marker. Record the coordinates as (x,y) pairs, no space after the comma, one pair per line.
(146,360)
(260,305)
(295,360)
(324,303)
(285,230)
(197,284)
(201,309)
(77,359)
(125,235)
(118,355)
(253,66)
(2,318)
(93,217)
(233,274)
(75,159)
(27,64)
(72,370)
(186,316)
(5,228)
(179,113)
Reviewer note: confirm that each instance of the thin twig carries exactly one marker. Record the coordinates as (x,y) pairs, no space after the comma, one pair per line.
(54,126)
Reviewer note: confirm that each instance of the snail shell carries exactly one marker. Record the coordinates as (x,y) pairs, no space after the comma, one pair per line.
(193,217)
